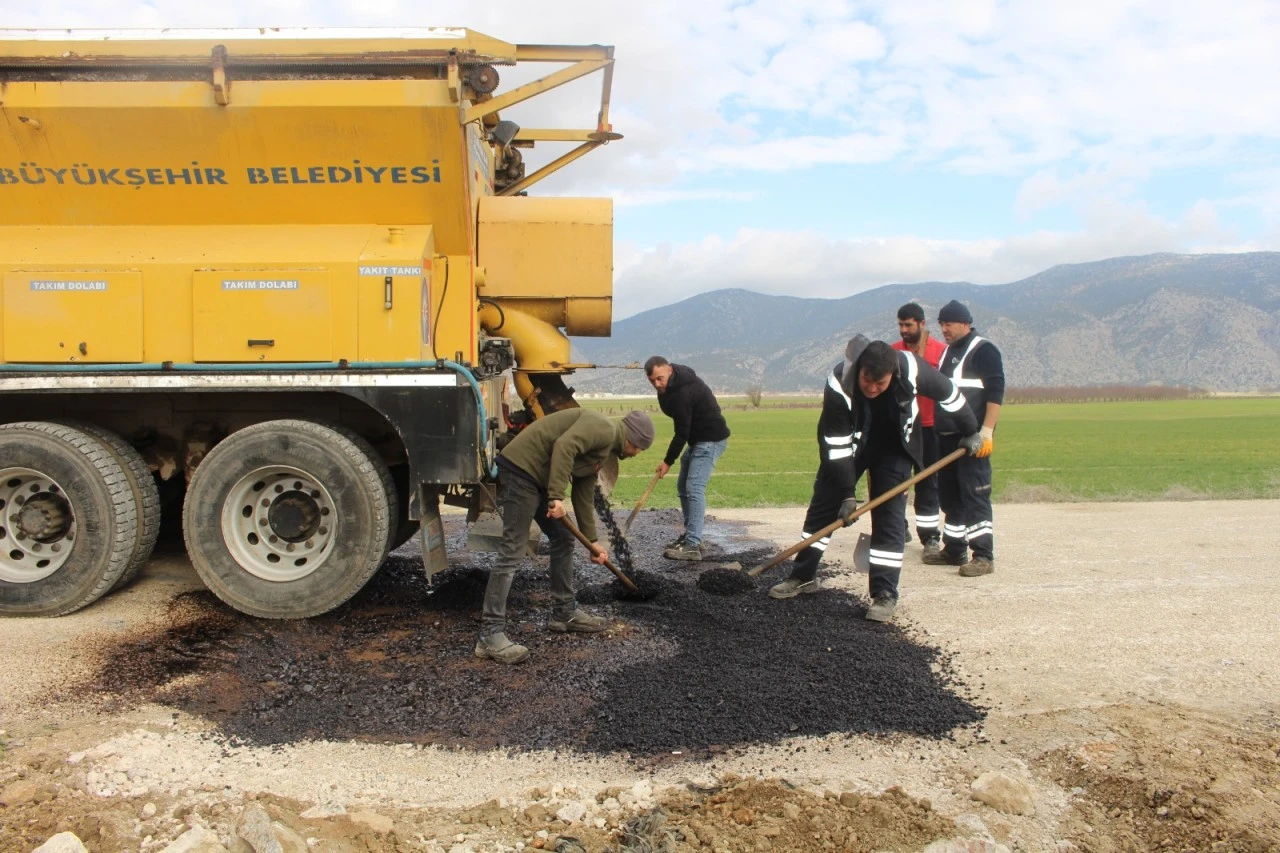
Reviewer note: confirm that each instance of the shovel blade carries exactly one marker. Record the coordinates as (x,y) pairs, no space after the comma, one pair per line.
(484,535)
(862,554)
(607,476)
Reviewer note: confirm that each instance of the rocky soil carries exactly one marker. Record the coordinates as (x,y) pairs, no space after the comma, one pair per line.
(1094,700)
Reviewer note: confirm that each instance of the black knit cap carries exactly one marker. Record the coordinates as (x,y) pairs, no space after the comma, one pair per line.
(955,312)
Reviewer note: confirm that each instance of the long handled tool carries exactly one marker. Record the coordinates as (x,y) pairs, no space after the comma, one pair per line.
(865,508)
(626,581)
(644,496)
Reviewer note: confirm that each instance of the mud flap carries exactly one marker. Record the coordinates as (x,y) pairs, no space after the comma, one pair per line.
(435,558)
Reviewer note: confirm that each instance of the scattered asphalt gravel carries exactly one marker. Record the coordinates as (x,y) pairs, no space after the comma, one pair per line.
(725,582)
(703,666)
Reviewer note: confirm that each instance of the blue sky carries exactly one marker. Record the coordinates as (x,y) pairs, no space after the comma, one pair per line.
(821,147)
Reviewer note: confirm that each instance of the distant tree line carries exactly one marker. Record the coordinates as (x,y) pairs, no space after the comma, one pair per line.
(1101,393)
(755,397)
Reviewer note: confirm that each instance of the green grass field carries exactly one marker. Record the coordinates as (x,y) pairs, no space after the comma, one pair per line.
(1157,450)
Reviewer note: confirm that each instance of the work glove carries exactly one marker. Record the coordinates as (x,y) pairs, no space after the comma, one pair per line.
(847,508)
(980,444)
(988,442)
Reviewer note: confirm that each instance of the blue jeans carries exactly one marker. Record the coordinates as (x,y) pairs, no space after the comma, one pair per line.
(696,465)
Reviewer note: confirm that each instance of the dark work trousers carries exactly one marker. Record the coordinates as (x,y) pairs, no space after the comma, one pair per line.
(964,488)
(521,500)
(888,521)
(926,499)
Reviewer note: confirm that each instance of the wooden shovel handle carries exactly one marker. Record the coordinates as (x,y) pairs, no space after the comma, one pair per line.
(644,496)
(626,581)
(865,508)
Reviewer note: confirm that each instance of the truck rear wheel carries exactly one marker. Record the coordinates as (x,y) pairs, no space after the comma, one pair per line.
(68,519)
(384,477)
(146,495)
(287,519)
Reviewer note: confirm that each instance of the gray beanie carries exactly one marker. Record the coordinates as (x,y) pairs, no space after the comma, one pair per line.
(638,428)
(955,312)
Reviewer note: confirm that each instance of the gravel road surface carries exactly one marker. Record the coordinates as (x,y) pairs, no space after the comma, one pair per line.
(1123,661)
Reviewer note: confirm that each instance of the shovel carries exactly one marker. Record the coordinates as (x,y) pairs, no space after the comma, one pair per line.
(644,496)
(862,510)
(626,581)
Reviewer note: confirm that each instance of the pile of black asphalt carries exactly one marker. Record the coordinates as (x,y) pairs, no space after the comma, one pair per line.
(690,670)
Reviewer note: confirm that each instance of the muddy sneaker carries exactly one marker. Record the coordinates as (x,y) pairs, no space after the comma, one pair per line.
(932,549)
(943,557)
(683,552)
(580,622)
(882,607)
(791,587)
(674,543)
(976,567)
(498,647)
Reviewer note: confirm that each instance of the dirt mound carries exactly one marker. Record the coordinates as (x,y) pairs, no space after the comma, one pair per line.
(1187,784)
(736,815)
(739,816)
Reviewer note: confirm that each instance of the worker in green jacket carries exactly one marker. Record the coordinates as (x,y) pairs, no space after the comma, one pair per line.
(534,471)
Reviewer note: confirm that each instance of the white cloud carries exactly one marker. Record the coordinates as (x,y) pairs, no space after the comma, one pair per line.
(1081,101)
(1048,187)
(803,263)
(967,84)
(645,198)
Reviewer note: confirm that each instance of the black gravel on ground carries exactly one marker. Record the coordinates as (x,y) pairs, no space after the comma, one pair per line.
(648,586)
(725,582)
(688,670)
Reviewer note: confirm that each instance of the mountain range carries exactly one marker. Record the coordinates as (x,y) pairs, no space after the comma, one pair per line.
(1206,321)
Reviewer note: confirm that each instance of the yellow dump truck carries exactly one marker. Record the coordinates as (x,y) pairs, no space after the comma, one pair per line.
(276,278)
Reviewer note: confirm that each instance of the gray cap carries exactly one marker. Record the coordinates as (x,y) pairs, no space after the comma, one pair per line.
(638,428)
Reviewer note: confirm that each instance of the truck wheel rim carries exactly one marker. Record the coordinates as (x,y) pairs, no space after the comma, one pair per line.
(278,523)
(37,526)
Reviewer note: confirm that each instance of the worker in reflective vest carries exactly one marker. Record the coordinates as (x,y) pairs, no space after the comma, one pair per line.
(915,336)
(964,487)
(870,423)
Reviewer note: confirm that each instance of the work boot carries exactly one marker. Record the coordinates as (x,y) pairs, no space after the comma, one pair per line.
(945,557)
(498,647)
(791,587)
(579,622)
(932,549)
(684,552)
(882,607)
(976,567)
(907,538)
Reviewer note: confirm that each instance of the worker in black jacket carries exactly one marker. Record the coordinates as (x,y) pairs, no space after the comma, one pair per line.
(694,411)
(870,422)
(977,368)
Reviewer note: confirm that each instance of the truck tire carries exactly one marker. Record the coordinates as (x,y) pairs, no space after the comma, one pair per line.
(287,519)
(146,495)
(68,519)
(384,477)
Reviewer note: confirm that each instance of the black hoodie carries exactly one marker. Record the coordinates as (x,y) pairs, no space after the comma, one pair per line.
(691,405)
(846,412)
